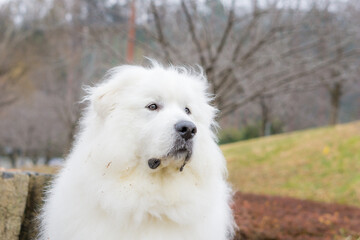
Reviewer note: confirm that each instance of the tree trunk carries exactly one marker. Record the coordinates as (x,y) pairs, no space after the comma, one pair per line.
(264,115)
(335,96)
(70,136)
(13,159)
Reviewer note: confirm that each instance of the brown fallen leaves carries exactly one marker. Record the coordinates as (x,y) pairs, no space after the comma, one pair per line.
(268,217)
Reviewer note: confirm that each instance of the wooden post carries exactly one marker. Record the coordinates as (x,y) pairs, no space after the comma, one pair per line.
(131,35)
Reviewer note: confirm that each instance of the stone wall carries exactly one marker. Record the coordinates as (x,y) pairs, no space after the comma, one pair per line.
(21,195)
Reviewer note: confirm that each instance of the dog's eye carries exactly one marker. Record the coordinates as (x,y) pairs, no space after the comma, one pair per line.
(152,107)
(187,110)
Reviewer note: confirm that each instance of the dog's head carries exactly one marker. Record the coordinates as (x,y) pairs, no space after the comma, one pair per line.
(156,115)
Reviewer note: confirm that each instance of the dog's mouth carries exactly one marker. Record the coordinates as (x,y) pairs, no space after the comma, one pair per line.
(182,153)
(182,150)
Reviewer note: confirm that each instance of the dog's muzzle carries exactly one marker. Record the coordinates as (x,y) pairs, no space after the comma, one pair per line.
(183,145)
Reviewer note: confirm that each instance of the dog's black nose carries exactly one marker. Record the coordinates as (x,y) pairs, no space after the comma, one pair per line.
(186,129)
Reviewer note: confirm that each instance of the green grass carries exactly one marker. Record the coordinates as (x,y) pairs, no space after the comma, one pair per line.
(319,164)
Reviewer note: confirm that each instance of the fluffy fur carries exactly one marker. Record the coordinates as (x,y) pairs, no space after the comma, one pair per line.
(106,189)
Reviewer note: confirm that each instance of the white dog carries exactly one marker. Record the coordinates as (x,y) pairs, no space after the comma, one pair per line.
(145,164)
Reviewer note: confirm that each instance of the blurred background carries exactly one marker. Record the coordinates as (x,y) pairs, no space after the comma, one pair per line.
(276,66)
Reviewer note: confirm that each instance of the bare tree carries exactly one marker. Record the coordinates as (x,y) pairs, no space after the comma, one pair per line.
(254,53)
(332,34)
(82,49)
(12,65)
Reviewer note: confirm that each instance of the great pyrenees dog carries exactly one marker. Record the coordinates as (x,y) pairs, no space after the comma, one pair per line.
(145,164)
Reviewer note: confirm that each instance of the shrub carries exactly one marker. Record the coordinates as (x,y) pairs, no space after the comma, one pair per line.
(252,130)
(230,135)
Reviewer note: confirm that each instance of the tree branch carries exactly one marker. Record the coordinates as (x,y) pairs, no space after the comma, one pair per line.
(158,26)
(228,108)
(220,47)
(193,34)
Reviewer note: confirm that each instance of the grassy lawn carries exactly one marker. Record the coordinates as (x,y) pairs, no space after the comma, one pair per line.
(321,164)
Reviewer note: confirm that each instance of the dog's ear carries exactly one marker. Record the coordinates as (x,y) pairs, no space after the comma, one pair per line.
(103,99)
(104,96)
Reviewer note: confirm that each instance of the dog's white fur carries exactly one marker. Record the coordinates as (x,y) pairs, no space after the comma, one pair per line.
(106,189)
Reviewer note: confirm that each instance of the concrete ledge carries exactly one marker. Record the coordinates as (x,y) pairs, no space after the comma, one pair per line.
(21,195)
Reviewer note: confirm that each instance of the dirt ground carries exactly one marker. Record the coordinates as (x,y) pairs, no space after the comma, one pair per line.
(268,217)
